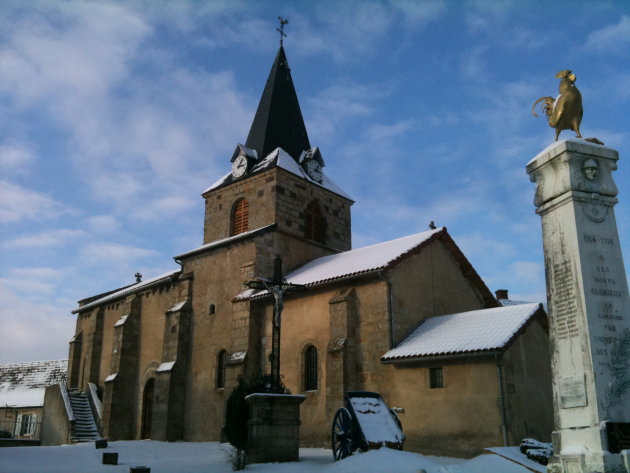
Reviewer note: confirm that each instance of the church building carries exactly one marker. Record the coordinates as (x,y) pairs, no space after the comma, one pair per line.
(408,318)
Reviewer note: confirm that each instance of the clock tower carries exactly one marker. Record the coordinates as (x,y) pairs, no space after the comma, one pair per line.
(277,184)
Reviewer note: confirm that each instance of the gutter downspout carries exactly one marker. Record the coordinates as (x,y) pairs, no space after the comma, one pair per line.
(497,357)
(390,305)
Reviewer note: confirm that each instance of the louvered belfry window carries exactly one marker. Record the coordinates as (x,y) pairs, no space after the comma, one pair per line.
(313,222)
(310,369)
(240,217)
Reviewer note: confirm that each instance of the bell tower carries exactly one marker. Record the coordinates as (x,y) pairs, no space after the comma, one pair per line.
(277,180)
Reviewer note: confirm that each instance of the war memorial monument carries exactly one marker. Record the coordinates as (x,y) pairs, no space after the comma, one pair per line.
(587,293)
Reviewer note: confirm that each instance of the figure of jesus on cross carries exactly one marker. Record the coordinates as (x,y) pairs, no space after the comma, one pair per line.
(278,286)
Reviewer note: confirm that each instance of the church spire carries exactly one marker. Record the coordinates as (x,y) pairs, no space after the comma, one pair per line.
(278,121)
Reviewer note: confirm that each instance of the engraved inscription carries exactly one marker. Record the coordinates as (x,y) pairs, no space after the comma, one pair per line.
(573,392)
(590,238)
(602,284)
(565,310)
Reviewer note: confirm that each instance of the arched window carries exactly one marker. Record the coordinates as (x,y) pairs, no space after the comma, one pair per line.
(220,376)
(313,223)
(240,217)
(310,368)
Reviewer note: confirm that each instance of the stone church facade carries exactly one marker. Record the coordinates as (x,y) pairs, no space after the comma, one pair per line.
(165,353)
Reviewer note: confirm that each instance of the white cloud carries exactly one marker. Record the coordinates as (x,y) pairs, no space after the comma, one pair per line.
(349,31)
(50,238)
(338,105)
(473,63)
(386,132)
(37,273)
(419,13)
(478,246)
(113,254)
(103,224)
(19,203)
(74,49)
(158,209)
(38,331)
(15,158)
(30,287)
(613,39)
(527,272)
(527,276)
(486,15)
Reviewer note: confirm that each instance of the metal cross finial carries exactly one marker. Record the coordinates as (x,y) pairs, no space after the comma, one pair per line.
(281,29)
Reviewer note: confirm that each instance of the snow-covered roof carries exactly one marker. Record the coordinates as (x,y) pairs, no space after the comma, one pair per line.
(351,263)
(466,332)
(226,241)
(237,357)
(361,260)
(111,377)
(507,302)
(128,290)
(282,159)
(177,307)
(121,321)
(24,384)
(165,367)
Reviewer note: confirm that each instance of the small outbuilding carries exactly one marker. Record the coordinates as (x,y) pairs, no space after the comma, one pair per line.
(474,378)
(22,388)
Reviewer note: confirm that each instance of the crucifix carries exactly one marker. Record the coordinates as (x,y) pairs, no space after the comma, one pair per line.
(277,286)
(281,29)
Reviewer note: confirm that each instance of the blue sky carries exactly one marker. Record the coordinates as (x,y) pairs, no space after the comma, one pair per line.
(115,116)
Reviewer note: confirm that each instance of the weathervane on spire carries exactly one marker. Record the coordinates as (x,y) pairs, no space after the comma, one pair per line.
(281,29)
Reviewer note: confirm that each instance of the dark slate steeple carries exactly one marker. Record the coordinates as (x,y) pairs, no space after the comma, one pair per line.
(278,121)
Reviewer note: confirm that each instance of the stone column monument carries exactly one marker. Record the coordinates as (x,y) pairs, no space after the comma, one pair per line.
(589,308)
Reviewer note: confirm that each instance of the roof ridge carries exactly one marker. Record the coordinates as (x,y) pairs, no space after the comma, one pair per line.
(32,362)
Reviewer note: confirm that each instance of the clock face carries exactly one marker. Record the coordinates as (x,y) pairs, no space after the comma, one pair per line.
(239,166)
(314,170)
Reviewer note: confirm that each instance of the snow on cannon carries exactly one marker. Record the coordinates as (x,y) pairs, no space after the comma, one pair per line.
(365,423)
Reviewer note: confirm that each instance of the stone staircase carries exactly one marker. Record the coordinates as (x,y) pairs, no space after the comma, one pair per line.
(84,428)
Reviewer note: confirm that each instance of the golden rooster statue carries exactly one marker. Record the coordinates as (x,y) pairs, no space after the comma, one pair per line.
(565,112)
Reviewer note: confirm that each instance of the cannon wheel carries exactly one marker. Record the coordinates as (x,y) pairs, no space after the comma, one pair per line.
(396,418)
(342,434)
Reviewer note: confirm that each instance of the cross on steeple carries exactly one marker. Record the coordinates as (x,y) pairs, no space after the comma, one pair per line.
(281,29)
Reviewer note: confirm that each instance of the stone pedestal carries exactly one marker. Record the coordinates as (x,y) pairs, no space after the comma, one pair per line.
(273,428)
(589,308)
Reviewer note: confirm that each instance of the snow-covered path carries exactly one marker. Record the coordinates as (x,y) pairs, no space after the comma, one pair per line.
(210,457)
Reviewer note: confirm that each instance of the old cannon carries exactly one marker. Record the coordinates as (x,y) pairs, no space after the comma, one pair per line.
(365,423)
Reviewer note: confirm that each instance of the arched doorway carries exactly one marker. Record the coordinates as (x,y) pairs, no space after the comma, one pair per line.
(147,408)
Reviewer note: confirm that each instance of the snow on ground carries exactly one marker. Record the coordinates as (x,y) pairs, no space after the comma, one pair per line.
(210,457)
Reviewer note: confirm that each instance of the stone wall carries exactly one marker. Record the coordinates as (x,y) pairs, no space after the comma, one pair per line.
(278,196)
(429,283)
(527,383)
(349,323)
(457,420)
(218,277)
(55,428)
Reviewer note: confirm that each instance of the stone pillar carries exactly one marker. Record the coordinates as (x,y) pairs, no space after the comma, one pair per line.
(589,308)
(274,427)
(170,382)
(120,392)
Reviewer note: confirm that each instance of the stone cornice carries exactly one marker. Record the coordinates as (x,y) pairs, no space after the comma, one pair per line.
(563,167)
